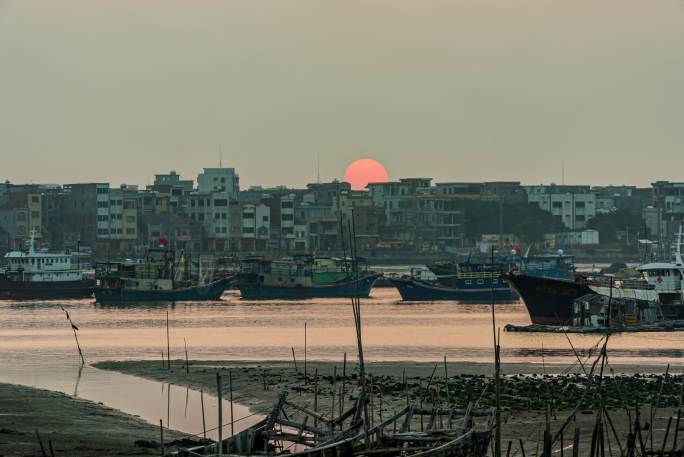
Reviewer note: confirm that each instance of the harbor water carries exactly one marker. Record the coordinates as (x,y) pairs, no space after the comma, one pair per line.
(38,347)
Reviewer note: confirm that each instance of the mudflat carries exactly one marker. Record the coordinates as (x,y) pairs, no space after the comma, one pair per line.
(529,392)
(72,426)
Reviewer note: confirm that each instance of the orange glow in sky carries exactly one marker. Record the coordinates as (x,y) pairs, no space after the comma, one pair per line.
(360,172)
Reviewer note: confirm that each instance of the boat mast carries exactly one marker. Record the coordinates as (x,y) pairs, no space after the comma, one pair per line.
(497,371)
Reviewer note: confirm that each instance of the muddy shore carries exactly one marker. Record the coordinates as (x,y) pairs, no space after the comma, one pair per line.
(526,391)
(74,427)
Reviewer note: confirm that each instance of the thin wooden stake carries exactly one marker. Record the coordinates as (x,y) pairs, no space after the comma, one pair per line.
(187,366)
(232,416)
(315,405)
(161,437)
(446,381)
(294,359)
(220,414)
(306,379)
(204,421)
(74,328)
(40,442)
(168,343)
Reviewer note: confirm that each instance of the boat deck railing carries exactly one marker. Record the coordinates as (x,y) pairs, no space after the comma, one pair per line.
(630,283)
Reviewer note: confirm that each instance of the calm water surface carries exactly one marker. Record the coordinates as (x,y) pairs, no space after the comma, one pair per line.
(37,345)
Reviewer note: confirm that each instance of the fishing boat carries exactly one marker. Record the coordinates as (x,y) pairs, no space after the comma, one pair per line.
(469,283)
(42,275)
(303,277)
(161,277)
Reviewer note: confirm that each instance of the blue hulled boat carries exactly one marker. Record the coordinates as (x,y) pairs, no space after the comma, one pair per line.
(412,289)
(474,282)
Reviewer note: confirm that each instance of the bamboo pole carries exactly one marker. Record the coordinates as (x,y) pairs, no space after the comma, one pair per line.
(204,421)
(306,380)
(294,359)
(187,367)
(315,405)
(74,328)
(446,381)
(161,438)
(220,414)
(40,442)
(168,343)
(232,416)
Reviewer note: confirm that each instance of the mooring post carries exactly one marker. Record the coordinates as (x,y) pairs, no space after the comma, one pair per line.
(294,359)
(306,380)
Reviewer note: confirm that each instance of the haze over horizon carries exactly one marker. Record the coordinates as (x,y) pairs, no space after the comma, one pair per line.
(461,90)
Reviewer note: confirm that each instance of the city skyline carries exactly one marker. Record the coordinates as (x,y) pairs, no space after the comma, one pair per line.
(462,90)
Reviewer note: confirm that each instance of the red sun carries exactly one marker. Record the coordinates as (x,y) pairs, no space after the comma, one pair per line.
(360,172)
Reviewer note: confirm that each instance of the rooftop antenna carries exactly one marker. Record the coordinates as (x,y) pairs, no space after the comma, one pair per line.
(318,169)
(563,172)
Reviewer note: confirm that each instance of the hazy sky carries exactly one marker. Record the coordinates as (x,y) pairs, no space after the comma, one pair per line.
(461,90)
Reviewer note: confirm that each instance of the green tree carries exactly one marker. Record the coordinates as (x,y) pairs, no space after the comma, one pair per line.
(621,220)
(526,221)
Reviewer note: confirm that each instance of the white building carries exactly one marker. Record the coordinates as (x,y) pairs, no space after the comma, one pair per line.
(579,238)
(222,180)
(256,222)
(212,211)
(575,205)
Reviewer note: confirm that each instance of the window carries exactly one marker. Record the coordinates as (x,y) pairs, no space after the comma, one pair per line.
(130,231)
(220,202)
(557,204)
(286,204)
(224,216)
(288,217)
(200,217)
(35,199)
(130,218)
(468,282)
(264,218)
(579,204)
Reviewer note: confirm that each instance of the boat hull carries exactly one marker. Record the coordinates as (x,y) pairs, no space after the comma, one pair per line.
(52,290)
(206,292)
(414,290)
(347,289)
(549,301)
